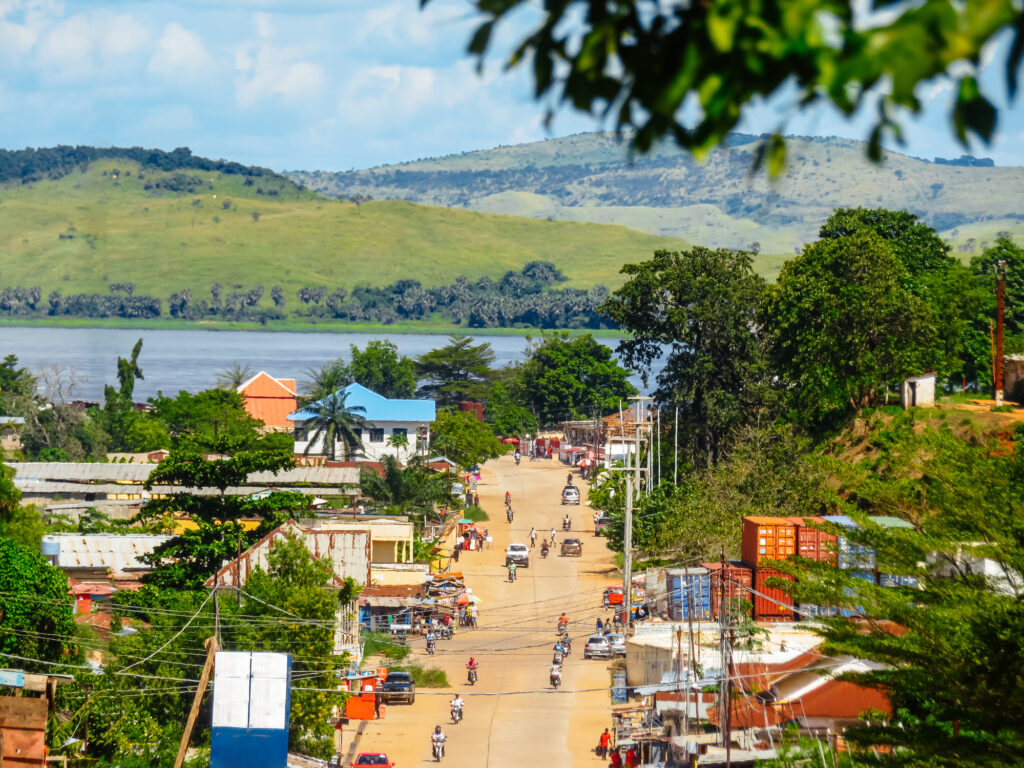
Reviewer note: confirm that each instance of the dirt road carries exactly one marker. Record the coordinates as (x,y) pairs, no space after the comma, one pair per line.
(512,716)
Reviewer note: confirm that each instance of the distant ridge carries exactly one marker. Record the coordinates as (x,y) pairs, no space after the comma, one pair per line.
(588,177)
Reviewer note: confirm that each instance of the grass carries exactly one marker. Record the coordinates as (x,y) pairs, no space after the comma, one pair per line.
(89,229)
(426,677)
(380,643)
(475,513)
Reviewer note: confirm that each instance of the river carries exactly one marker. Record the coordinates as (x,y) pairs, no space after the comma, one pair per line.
(190,359)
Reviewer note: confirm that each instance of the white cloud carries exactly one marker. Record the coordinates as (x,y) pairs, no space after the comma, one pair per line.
(264,26)
(81,44)
(22,21)
(179,54)
(271,72)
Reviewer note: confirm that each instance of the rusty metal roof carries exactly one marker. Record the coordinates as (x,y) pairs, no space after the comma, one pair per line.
(67,471)
(76,490)
(118,553)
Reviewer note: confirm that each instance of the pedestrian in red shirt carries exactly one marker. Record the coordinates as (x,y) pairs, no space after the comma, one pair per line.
(616,759)
(602,747)
(630,758)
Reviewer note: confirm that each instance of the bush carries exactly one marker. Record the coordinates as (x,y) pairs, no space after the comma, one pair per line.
(475,513)
(375,643)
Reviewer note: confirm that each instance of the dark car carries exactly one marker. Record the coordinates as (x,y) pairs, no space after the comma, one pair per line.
(398,686)
(572,546)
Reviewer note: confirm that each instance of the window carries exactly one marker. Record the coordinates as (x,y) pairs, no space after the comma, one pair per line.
(400,431)
(359,433)
(376,435)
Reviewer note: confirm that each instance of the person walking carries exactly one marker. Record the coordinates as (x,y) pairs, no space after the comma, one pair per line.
(616,759)
(533,538)
(602,744)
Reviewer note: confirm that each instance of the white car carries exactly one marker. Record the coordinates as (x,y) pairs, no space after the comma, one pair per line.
(598,647)
(518,554)
(571,495)
(618,643)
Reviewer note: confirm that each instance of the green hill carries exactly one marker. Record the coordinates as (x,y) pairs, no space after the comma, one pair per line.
(82,227)
(588,177)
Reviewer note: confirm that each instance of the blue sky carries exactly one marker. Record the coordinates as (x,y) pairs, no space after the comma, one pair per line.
(328,84)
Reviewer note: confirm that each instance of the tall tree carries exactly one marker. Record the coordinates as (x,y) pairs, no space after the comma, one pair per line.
(325,380)
(700,308)
(466,441)
(413,490)
(212,420)
(843,326)
(380,368)
(566,378)
(458,371)
(641,62)
(234,376)
(332,420)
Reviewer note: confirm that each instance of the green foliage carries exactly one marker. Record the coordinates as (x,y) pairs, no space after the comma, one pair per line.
(211,421)
(412,490)
(234,376)
(36,619)
(425,677)
(843,326)
(475,513)
(325,381)
(983,266)
(644,63)
(332,421)
(24,525)
(129,430)
(10,496)
(507,416)
(954,673)
(566,378)
(458,371)
(701,307)
(464,440)
(380,643)
(378,367)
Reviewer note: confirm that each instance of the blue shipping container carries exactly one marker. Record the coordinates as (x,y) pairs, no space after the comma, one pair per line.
(852,556)
(892,580)
(813,611)
(869,577)
(690,590)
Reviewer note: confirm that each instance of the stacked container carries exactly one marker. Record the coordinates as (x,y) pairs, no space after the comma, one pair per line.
(851,556)
(891,579)
(769,538)
(689,591)
(812,543)
(738,579)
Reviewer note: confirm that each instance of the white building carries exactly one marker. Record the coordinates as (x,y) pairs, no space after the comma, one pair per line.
(384,419)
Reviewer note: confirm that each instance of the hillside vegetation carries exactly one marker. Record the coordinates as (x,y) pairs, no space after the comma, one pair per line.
(720,203)
(80,225)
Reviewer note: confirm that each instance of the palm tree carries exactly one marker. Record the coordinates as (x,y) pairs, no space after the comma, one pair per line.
(324,381)
(413,490)
(398,440)
(234,376)
(336,422)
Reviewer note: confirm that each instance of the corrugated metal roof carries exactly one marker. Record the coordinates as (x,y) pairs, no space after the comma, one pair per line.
(12,419)
(119,553)
(29,471)
(379,408)
(80,489)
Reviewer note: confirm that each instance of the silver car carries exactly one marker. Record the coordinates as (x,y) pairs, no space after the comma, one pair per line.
(618,643)
(571,495)
(598,647)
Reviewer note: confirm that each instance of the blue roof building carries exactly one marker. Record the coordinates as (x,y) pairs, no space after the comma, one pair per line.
(385,417)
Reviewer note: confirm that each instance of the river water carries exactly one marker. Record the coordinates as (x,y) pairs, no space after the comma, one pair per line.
(190,359)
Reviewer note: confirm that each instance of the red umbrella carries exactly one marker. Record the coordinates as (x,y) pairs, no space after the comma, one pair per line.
(510,440)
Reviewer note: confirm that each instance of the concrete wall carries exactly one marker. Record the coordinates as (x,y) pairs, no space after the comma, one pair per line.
(399,574)
(371,450)
(918,391)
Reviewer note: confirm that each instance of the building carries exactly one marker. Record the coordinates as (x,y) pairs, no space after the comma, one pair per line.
(385,418)
(1013,377)
(918,391)
(391,547)
(605,441)
(10,432)
(270,400)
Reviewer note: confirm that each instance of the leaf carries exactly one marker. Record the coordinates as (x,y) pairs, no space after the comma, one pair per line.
(482,36)
(1013,60)
(973,112)
(776,155)
(722,30)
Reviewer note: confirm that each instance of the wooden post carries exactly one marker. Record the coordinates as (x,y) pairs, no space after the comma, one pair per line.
(204,680)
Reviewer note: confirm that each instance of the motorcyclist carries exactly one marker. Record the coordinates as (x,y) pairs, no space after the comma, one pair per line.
(556,674)
(512,571)
(563,621)
(517,458)
(508,499)
(509,513)
(431,640)
(544,548)
(457,704)
(566,522)
(438,737)
(472,666)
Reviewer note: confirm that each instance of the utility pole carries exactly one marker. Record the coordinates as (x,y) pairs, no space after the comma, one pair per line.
(675,451)
(1000,302)
(627,556)
(679,682)
(726,691)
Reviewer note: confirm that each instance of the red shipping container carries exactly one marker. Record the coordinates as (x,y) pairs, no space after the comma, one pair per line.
(767,538)
(738,580)
(813,543)
(780,605)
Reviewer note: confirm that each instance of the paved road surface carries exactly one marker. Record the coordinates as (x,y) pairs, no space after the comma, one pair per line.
(514,644)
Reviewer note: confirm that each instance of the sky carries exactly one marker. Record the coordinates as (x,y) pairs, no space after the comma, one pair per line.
(327,84)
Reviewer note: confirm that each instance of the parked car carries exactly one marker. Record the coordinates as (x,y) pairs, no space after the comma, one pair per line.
(372,758)
(571,495)
(597,647)
(572,546)
(518,554)
(398,686)
(618,643)
(601,525)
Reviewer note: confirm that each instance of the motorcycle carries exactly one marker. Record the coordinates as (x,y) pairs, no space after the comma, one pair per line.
(517,459)
(472,676)
(446,633)
(556,658)
(511,575)
(562,627)
(430,647)
(544,551)
(456,715)
(509,513)
(438,750)
(567,524)
(566,645)
(556,680)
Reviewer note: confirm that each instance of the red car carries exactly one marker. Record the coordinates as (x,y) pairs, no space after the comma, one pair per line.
(613,596)
(372,758)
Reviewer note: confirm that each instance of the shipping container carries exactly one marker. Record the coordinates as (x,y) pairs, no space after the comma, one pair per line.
(812,611)
(851,555)
(892,580)
(865,576)
(813,543)
(767,538)
(771,603)
(689,592)
(890,522)
(739,579)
